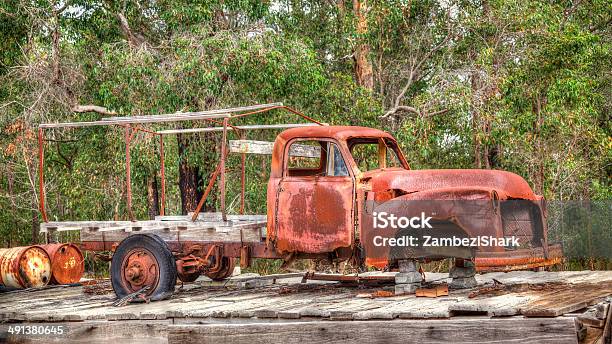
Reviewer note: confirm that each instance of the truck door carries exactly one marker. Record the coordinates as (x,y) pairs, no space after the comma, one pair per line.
(314,210)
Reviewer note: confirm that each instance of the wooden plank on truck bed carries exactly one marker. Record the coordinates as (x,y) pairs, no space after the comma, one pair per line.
(177,231)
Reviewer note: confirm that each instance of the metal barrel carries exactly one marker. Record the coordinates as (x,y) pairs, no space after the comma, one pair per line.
(67,263)
(24,267)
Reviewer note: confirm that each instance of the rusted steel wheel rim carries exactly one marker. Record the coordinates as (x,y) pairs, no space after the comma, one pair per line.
(140,269)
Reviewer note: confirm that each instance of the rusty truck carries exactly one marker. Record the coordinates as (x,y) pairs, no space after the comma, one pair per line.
(324,180)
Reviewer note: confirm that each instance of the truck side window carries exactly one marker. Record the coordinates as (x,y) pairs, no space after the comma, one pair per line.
(315,158)
(368,153)
(306,158)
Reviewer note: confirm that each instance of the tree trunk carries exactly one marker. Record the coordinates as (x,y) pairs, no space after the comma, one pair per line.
(189,177)
(539,174)
(363,66)
(152,196)
(476,119)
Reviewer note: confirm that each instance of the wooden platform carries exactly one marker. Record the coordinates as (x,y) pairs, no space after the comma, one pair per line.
(207,227)
(532,306)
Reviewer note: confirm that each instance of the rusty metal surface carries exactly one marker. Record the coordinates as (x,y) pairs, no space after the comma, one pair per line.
(188,268)
(24,267)
(139,269)
(211,183)
(162,169)
(451,184)
(41,174)
(67,263)
(128,177)
(519,259)
(315,216)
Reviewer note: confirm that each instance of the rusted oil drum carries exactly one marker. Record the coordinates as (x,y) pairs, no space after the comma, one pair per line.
(24,267)
(67,263)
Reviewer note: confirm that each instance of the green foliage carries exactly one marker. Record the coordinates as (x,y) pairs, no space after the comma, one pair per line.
(517,85)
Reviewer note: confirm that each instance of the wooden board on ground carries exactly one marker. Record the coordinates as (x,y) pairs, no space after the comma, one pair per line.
(284,297)
(568,299)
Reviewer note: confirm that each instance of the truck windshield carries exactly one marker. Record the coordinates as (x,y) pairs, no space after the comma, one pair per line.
(375,153)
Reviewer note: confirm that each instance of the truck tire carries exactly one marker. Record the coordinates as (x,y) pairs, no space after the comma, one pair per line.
(143,260)
(227,268)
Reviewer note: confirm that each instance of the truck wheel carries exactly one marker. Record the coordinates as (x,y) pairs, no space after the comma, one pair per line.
(143,260)
(227,268)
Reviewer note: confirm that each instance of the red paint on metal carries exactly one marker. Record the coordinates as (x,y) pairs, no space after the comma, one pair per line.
(316,214)
(222,164)
(24,267)
(67,263)
(128,177)
(41,175)
(162,167)
(211,182)
(242,181)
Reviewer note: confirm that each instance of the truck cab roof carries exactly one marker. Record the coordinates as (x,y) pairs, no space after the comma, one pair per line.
(338,132)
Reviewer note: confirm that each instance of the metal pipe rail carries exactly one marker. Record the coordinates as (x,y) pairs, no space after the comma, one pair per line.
(210,115)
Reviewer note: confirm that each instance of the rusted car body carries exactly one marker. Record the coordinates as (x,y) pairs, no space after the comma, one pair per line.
(325,182)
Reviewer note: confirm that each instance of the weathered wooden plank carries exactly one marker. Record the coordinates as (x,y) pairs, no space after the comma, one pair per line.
(144,225)
(265,148)
(214,216)
(510,330)
(503,305)
(203,235)
(111,231)
(573,298)
(150,331)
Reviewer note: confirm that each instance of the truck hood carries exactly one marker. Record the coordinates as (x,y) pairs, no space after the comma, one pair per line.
(506,184)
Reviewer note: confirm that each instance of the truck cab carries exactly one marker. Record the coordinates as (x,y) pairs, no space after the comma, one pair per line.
(314,181)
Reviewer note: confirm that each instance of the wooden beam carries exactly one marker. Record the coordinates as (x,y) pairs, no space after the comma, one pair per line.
(460,330)
(149,331)
(265,148)
(241,127)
